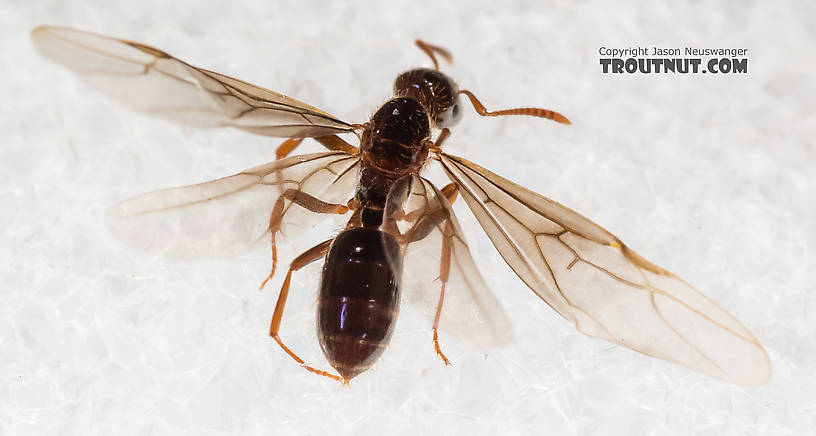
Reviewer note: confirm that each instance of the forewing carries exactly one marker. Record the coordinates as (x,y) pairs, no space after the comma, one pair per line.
(151,81)
(470,311)
(225,217)
(592,279)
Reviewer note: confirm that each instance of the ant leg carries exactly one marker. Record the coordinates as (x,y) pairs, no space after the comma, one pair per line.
(531,111)
(431,49)
(287,147)
(424,227)
(331,142)
(307,257)
(451,192)
(444,273)
(336,143)
(422,230)
(304,200)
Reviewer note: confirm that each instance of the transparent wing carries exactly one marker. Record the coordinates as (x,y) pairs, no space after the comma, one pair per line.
(151,81)
(595,281)
(470,311)
(225,217)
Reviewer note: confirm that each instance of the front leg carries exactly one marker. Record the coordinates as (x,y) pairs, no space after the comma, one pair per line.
(331,142)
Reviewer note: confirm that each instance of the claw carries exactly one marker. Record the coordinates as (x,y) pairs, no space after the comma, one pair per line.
(439,350)
(274,263)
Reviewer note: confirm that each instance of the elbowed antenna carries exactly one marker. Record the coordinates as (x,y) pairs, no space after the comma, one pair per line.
(431,49)
(530,111)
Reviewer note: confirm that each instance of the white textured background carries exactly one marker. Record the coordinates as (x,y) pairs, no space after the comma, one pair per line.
(711,176)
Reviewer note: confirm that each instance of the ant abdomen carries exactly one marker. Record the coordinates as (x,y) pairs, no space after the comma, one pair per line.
(359,299)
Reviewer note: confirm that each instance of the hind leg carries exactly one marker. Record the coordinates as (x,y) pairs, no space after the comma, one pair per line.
(307,257)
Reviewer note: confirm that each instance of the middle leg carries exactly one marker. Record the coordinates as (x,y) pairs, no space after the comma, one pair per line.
(331,142)
(279,210)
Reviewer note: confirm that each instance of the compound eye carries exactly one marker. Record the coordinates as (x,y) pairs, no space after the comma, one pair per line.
(449,116)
